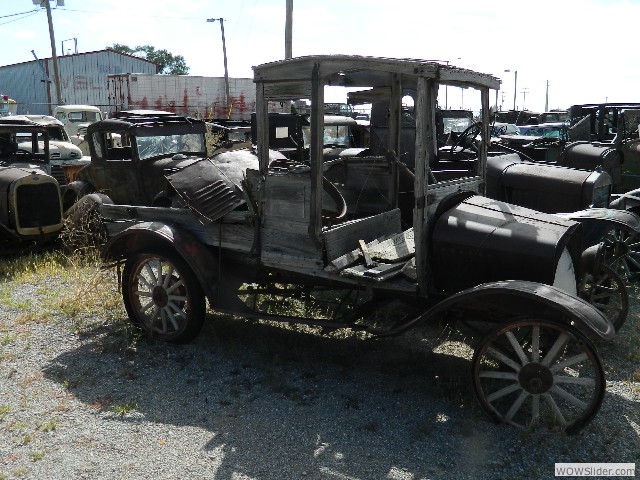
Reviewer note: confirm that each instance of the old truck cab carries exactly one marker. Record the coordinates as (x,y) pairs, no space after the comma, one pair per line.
(372,228)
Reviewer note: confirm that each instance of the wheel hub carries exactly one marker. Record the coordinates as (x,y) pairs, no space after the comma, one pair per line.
(535,378)
(620,249)
(160,296)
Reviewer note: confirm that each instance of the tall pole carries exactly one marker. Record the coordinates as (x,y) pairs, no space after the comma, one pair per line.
(54,57)
(288,43)
(546,98)
(515,87)
(226,72)
(288,31)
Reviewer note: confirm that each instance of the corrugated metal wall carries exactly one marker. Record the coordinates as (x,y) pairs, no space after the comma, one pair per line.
(202,97)
(83,80)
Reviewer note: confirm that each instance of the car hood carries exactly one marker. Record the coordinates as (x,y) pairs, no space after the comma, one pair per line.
(58,150)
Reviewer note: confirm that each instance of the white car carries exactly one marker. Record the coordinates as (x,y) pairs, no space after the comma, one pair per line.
(76,119)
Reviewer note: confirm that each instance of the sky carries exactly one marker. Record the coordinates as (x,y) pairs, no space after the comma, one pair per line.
(569,51)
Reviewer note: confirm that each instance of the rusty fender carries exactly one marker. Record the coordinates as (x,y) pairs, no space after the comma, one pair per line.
(599,221)
(629,201)
(505,300)
(155,235)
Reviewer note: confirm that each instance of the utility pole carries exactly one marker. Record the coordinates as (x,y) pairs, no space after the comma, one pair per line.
(546,99)
(288,43)
(226,72)
(54,56)
(524,96)
(515,86)
(288,31)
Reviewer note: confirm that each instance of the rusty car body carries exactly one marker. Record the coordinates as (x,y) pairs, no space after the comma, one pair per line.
(239,225)
(30,200)
(64,159)
(132,152)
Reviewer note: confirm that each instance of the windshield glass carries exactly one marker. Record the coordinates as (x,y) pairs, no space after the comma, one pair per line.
(456,124)
(336,135)
(84,116)
(547,132)
(167,145)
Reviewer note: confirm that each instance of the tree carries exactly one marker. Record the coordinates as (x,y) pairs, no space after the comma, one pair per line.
(167,63)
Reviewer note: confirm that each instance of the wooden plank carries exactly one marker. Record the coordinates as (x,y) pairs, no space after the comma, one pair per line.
(399,247)
(283,261)
(436,192)
(374,274)
(344,238)
(347,259)
(365,253)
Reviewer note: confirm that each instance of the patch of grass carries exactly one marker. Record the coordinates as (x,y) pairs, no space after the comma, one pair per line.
(72,286)
(4,409)
(125,408)
(20,471)
(49,426)
(7,339)
(36,456)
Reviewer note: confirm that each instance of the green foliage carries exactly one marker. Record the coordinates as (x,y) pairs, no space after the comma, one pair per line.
(167,63)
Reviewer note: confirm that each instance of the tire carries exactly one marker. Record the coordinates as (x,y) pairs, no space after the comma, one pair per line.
(622,253)
(607,292)
(539,374)
(162,296)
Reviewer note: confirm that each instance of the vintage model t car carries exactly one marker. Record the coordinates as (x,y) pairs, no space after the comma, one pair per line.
(30,201)
(237,224)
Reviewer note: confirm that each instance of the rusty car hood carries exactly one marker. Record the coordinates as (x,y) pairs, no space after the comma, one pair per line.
(212,187)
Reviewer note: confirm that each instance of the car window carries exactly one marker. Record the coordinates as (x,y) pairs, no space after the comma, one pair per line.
(167,145)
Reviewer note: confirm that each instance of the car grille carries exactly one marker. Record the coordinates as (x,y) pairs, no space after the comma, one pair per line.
(58,173)
(38,205)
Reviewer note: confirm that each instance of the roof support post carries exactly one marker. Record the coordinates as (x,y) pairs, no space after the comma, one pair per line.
(317,141)
(395,122)
(425,108)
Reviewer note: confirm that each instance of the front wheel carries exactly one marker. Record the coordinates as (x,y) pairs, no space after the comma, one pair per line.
(163,296)
(539,374)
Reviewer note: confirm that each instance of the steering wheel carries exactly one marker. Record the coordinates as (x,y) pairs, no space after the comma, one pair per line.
(341,204)
(467,138)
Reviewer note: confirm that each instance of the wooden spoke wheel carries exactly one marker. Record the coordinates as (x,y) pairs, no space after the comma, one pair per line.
(537,374)
(162,296)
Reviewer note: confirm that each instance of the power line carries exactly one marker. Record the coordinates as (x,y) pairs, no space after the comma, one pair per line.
(21,13)
(168,17)
(26,15)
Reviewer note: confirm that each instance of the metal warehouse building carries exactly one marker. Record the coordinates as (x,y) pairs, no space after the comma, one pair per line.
(83,80)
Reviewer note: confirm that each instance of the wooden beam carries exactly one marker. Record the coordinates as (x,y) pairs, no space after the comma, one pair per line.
(317,157)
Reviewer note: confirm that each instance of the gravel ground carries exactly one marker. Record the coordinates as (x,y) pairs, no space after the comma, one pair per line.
(248,400)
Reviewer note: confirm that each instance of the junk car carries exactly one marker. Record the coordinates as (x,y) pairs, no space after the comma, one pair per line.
(132,153)
(30,201)
(240,226)
(64,158)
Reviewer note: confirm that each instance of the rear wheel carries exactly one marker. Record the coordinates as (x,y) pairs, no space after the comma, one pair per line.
(539,374)
(163,296)
(622,253)
(607,292)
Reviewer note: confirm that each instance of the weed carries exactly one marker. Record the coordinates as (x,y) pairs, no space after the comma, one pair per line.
(49,426)
(35,456)
(20,471)
(125,408)
(4,409)
(7,339)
